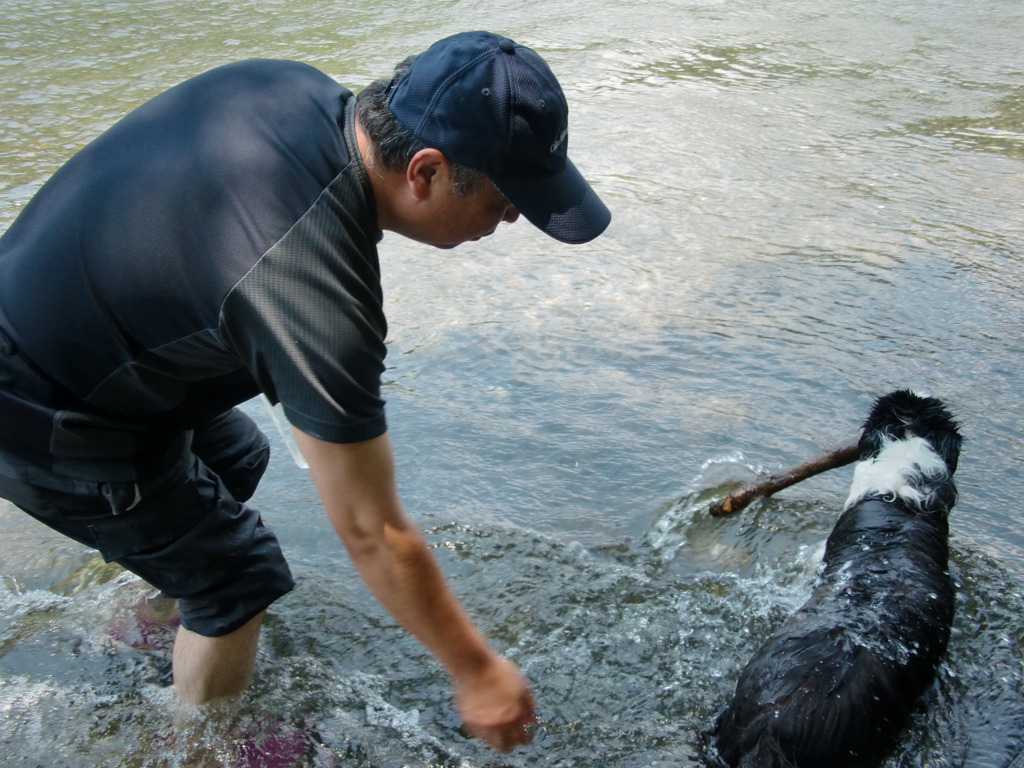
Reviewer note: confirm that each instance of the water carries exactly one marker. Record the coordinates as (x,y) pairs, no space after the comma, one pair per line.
(813,204)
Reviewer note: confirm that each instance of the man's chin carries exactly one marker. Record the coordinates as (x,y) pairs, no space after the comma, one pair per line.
(449,246)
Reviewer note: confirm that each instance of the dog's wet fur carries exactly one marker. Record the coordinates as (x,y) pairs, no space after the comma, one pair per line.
(835,685)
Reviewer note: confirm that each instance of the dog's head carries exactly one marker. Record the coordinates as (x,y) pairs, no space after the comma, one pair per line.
(902,414)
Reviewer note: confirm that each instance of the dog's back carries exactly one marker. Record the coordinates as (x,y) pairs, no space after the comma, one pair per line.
(834,686)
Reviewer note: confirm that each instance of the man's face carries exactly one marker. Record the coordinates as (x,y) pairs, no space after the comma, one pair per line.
(458,219)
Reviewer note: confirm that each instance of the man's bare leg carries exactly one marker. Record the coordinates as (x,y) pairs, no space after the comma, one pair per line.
(208,668)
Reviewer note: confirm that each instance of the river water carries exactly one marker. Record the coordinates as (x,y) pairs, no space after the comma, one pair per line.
(814,203)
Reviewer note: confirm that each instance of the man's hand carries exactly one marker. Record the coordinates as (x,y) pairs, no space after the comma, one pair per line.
(496,705)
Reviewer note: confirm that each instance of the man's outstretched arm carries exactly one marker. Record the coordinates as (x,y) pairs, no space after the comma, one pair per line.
(356,483)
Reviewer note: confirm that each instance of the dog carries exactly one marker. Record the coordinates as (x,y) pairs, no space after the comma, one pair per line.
(835,685)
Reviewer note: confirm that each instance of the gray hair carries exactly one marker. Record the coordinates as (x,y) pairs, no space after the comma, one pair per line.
(392,145)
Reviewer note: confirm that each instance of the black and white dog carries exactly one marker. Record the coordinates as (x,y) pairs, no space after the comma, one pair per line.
(834,686)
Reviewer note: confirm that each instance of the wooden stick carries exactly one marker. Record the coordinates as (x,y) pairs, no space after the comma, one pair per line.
(837,456)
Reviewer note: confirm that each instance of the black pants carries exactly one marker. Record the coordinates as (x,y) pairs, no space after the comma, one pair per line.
(186,530)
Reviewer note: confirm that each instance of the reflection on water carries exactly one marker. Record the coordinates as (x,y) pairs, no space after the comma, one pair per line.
(1000,131)
(813,204)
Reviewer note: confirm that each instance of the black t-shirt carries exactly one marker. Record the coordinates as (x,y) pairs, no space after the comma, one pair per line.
(217,242)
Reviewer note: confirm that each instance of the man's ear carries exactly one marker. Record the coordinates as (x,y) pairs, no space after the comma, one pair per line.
(427,167)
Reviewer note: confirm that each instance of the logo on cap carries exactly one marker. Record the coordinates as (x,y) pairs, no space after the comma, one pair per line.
(560,140)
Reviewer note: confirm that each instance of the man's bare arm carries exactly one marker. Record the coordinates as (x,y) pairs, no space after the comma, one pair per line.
(356,483)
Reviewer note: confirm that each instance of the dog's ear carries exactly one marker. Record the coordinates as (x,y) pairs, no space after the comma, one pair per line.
(936,424)
(948,447)
(887,421)
(870,442)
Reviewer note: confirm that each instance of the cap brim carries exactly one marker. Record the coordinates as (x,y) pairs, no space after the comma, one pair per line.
(562,205)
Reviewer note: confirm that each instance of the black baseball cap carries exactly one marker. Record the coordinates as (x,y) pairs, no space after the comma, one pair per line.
(495,106)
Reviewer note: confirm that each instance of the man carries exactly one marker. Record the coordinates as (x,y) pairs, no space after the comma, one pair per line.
(218,242)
